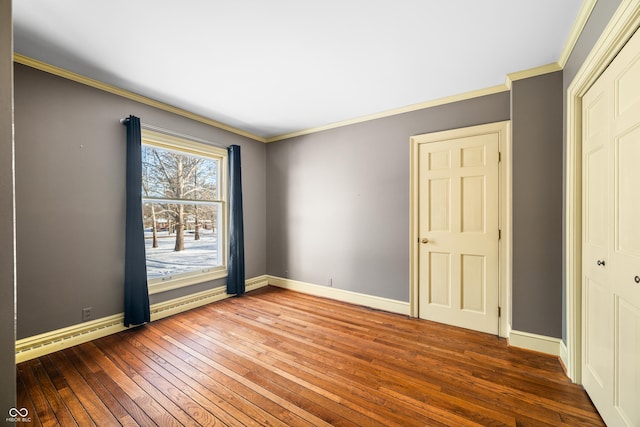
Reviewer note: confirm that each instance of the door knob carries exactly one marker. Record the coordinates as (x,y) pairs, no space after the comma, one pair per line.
(636,279)
(424,240)
(601,262)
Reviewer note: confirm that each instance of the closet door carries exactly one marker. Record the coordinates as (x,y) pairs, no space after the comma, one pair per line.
(597,293)
(625,229)
(611,239)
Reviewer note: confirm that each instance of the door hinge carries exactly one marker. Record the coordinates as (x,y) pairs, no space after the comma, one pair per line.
(499,311)
(499,234)
(499,156)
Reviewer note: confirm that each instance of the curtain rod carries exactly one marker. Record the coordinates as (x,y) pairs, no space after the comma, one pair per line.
(176,134)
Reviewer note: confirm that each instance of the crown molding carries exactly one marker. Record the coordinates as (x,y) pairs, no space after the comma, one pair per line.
(70,75)
(576,30)
(531,72)
(574,35)
(409,108)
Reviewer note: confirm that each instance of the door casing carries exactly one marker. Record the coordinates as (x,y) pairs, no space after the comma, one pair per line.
(504,212)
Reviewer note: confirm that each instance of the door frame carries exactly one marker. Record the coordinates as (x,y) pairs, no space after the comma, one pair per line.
(504,214)
(619,30)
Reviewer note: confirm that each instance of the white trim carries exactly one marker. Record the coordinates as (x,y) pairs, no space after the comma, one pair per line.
(506,225)
(504,212)
(532,72)
(256,283)
(386,304)
(619,30)
(57,71)
(576,30)
(182,144)
(535,342)
(414,231)
(158,286)
(49,342)
(70,75)
(393,112)
(564,354)
(186,145)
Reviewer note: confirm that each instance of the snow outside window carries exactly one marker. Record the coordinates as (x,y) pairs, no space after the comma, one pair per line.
(184,210)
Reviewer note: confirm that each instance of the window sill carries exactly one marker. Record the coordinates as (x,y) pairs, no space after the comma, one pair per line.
(181,282)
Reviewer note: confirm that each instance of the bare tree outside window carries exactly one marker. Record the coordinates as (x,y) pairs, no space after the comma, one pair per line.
(181,211)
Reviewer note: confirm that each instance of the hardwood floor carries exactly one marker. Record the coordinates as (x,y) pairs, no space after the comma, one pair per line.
(279,358)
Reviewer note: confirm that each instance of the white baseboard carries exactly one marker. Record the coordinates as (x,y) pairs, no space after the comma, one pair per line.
(539,343)
(564,356)
(386,304)
(256,283)
(49,342)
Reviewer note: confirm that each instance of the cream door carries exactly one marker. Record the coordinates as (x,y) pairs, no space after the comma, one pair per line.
(597,302)
(611,239)
(458,228)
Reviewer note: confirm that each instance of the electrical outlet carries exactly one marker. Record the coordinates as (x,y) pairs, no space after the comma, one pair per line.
(86,313)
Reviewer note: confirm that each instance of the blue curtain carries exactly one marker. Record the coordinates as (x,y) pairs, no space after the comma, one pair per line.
(136,290)
(235,280)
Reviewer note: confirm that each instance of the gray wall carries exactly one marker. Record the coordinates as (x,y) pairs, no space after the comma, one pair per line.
(7,235)
(598,20)
(338,200)
(537,204)
(70,180)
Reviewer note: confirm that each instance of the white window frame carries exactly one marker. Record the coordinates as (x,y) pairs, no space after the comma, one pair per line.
(200,148)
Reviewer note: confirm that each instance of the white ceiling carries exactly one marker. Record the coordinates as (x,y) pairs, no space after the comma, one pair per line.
(274,67)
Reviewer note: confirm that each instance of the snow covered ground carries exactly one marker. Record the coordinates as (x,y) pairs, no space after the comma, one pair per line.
(198,255)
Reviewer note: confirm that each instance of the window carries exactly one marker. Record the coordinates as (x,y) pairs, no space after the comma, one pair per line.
(183,210)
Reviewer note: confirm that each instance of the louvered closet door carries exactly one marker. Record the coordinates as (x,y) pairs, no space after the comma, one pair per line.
(611,239)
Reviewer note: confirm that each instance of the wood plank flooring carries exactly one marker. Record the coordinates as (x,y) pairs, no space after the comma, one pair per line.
(280,358)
